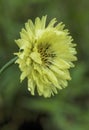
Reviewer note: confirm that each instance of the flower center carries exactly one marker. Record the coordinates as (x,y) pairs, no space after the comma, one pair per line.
(46,54)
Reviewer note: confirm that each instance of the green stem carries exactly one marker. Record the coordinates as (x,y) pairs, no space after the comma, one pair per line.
(8,64)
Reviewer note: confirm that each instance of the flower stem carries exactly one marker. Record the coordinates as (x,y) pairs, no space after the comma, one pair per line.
(9,63)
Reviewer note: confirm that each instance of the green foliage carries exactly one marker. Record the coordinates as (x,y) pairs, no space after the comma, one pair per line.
(69,110)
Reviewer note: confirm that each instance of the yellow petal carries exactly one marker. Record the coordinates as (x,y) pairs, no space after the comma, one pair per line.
(31,86)
(35,56)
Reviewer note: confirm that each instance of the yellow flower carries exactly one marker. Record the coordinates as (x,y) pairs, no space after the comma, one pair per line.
(45,56)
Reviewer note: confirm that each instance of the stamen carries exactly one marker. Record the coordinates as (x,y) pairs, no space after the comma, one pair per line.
(46,54)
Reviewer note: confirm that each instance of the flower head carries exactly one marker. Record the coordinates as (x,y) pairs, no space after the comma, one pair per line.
(45,56)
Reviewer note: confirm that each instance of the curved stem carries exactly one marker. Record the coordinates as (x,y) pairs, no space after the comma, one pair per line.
(8,64)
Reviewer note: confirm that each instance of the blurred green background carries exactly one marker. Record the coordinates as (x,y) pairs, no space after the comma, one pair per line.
(69,110)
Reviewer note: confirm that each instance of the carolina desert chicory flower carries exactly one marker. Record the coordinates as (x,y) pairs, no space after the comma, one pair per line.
(45,56)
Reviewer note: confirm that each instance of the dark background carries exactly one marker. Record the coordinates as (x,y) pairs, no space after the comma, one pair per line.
(69,110)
